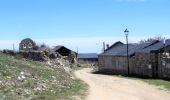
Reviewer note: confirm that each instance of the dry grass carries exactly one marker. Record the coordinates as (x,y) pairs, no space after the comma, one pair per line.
(22,79)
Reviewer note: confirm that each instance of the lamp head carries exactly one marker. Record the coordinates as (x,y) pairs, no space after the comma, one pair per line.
(126,32)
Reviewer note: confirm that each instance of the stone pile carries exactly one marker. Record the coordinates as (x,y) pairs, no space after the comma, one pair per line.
(34,55)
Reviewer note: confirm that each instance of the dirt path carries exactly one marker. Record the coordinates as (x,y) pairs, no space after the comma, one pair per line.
(103,87)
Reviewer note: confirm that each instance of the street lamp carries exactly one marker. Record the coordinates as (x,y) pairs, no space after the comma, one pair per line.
(126,34)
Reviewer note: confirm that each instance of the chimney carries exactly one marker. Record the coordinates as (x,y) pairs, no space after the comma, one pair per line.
(104,47)
(107,46)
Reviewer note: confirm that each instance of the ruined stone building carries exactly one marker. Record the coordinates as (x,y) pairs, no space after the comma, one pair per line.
(66,52)
(27,44)
(28,49)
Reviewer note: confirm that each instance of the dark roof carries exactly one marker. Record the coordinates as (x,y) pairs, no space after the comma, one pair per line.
(115,45)
(167,42)
(137,47)
(57,47)
(133,48)
(154,47)
(87,55)
(119,50)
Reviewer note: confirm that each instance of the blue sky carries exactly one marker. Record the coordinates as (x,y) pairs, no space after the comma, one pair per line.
(82,24)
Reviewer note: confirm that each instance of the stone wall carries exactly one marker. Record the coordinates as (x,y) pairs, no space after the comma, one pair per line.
(34,55)
(111,64)
(142,64)
(164,68)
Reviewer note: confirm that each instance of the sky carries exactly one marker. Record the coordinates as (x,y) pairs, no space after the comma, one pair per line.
(82,25)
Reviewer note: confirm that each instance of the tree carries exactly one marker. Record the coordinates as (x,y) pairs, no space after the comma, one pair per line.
(150,40)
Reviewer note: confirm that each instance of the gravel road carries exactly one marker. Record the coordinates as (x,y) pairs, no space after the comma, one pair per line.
(105,87)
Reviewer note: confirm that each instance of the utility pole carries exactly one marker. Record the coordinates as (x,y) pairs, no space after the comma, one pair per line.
(13,47)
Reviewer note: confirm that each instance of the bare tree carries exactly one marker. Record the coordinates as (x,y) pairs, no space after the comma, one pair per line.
(150,40)
(44,46)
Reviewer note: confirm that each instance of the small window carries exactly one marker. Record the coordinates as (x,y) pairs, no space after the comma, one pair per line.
(29,45)
(24,46)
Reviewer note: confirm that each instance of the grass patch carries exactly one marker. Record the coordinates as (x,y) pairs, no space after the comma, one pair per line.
(41,81)
(77,88)
(158,82)
(165,84)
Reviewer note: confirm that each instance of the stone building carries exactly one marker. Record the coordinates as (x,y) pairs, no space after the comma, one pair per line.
(65,52)
(164,61)
(87,57)
(111,61)
(28,49)
(115,58)
(144,60)
(27,44)
(62,50)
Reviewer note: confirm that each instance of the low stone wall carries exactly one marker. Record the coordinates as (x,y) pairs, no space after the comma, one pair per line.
(34,55)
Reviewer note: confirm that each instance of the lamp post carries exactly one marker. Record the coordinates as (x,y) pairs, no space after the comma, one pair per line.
(126,34)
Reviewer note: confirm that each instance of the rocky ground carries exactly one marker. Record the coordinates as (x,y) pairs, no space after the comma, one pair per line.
(22,79)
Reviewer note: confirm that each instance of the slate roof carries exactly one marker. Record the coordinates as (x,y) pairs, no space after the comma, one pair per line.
(87,55)
(167,42)
(119,50)
(133,48)
(137,48)
(114,45)
(154,47)
(57,47)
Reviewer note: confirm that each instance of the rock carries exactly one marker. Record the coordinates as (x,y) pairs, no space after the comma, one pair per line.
(22,73)
(19,78)
(8,77)
(23,77)
(67,70)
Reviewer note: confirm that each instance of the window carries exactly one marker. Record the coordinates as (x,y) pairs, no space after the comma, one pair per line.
(29,45)
(24,46)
